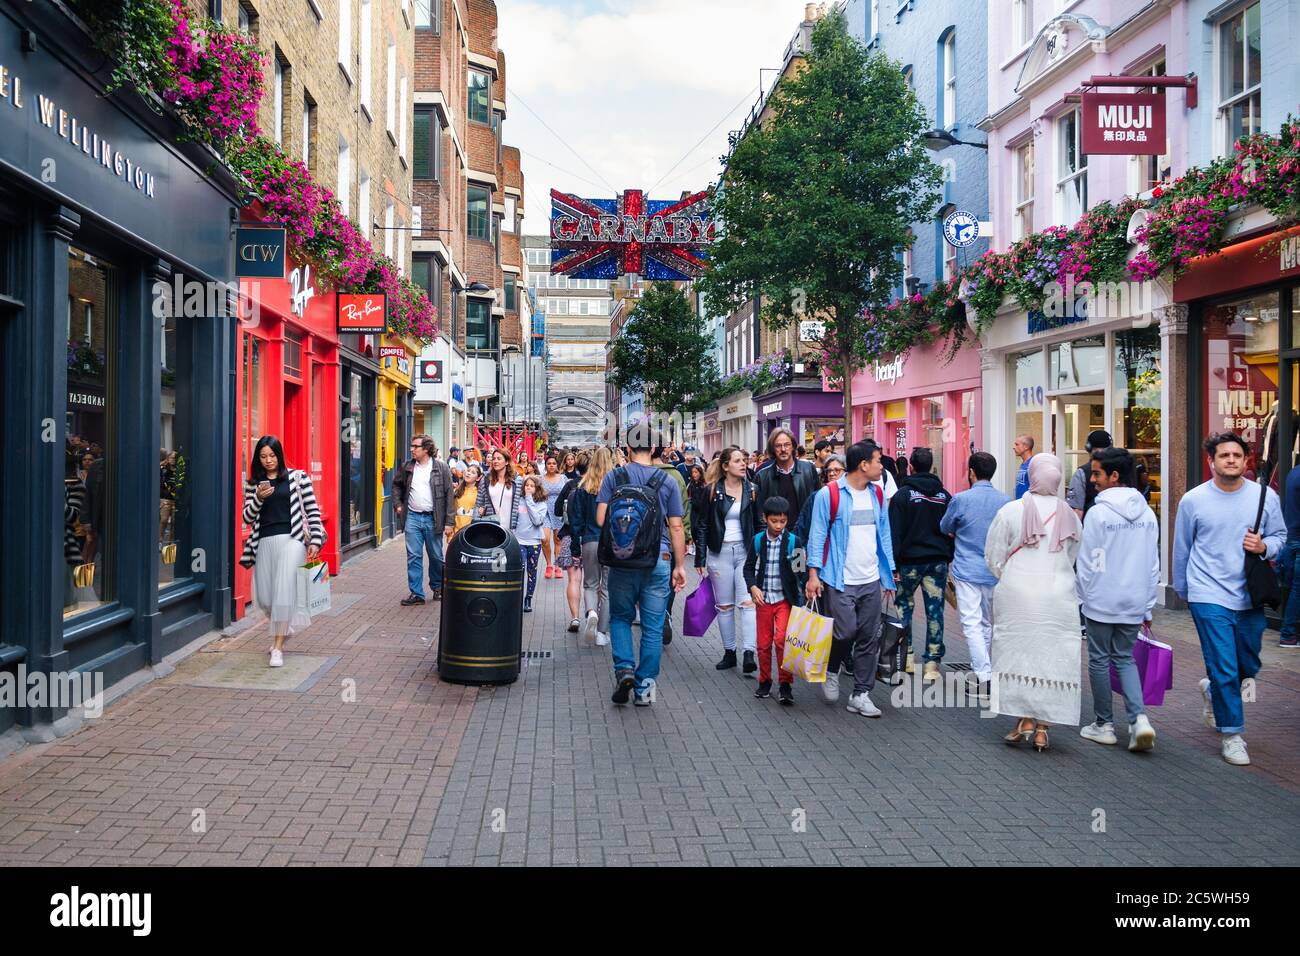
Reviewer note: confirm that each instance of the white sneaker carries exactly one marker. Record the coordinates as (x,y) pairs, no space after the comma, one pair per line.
(1099,733)
(277,658)
(831,689)
(1234,751)
(1141,735)
(589,626)
(1207,709)
(602,639)
(861,704)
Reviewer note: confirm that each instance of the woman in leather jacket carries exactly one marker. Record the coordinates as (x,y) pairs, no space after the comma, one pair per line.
(723,543)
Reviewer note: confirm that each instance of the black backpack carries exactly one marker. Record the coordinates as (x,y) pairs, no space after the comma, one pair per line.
(634,523)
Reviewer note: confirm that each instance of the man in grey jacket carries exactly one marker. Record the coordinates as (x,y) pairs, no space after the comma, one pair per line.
(1117,576)
(424,499)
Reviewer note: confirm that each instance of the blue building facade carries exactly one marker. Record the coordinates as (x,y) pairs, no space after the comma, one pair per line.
(942,50)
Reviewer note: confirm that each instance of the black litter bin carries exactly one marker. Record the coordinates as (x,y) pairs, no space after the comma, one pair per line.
(482,635)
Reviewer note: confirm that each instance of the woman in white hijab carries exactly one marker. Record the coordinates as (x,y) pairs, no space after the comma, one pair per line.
(1031,547)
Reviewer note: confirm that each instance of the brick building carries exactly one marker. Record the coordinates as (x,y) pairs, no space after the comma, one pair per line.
(469,196)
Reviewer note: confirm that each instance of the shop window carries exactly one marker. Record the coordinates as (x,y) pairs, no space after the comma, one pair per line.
(1078,364)
(1030,396)
(293,354)
(1135,399)
(175,504)
(936,435)
(355,437)
(88,531)
(1239,362)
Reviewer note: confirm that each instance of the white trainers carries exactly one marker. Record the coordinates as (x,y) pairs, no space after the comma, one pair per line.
(602,639)
(861,704)
(1207,709)
(1141,735)
(1099,733)
(831,689)
(589,626)
(277,658)
(1234,751)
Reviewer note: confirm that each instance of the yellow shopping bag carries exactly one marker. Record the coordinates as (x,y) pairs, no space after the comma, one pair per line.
(808,644)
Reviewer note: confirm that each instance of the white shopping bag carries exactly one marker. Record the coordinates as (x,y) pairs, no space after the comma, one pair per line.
(314,588)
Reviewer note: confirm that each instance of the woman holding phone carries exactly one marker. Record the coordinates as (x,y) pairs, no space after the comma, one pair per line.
(280,506)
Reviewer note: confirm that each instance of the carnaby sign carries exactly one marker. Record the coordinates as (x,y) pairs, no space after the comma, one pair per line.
(363,312)
(607,238)
(1123,124)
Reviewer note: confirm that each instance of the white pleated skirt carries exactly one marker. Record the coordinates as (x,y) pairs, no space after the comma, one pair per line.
(275,582)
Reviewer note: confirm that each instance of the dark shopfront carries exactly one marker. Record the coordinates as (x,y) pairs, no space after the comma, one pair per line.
(116,416)
(358,376)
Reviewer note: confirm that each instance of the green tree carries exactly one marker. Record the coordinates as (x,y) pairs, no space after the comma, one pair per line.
(664,352)
(816,198)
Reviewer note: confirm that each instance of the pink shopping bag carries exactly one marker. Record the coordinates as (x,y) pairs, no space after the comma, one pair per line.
(1155,664)
(700,611)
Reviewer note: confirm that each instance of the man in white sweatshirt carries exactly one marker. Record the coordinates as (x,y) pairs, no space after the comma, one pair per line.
(1117,574)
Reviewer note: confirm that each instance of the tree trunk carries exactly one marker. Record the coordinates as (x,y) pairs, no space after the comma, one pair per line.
(848,401)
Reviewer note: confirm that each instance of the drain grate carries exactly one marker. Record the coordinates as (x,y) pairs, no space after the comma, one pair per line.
(535,655)
(958,666)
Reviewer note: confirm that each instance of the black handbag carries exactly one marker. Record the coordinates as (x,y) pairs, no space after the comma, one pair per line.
(1261,579)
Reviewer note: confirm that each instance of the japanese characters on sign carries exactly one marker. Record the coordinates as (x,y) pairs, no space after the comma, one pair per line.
(1123,124)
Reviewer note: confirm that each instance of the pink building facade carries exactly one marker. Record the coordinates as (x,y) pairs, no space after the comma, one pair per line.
(922,400)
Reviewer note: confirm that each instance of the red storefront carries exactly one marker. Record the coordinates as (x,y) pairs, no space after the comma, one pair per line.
(287,384)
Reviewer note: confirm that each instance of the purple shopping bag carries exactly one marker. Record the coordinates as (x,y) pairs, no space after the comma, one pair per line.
(1155,664)
(700,611)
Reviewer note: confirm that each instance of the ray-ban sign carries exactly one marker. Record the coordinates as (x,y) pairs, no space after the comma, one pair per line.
(259,253)
(364,312)
(1123,124)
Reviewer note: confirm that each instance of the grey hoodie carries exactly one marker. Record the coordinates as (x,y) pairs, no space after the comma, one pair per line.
(1118,569)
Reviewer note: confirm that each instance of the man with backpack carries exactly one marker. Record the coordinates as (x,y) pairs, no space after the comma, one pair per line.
(658,459)
(643,543)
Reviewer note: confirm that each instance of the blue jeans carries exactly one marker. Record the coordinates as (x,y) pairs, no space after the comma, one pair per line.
(650,589)
(422,536)
(1113,644)
(1286,564)
(1230,645)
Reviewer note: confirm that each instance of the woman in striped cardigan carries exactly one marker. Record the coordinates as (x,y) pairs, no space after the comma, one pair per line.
(499,491)
(280,505)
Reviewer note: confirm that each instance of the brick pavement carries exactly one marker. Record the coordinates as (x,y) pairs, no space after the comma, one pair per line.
(282,777)
(413,770)
(709,775)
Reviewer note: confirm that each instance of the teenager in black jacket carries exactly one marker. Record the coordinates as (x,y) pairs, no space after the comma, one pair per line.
(724,542)
(922,552)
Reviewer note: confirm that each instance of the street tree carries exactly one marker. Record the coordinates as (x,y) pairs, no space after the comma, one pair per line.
(664,352)
(816,199)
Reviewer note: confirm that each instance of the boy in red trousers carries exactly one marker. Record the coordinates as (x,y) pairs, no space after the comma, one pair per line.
(774,586)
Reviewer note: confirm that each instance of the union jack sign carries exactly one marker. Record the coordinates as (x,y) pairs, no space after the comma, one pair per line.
(607,238)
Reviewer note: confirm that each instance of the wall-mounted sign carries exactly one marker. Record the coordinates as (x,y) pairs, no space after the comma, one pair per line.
(364,312)
(259,253)
(811,330)
(394,350)
(1123,124)
(457,392)
(431,373)
(607,238)
(772,408)
(891,372)
(961,228)
(1040,321)
(403,365)
(301,291)
(1289,257)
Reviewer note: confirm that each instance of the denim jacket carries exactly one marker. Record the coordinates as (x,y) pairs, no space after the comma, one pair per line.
(831,570)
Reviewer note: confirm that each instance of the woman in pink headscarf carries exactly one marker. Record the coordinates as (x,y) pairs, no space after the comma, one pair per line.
(1031,547)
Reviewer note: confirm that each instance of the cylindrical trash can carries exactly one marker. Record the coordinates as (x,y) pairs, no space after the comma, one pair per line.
(481,637)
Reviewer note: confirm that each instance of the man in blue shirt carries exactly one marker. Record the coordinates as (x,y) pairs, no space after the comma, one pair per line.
(1024,449)
(650,587)
(1212,535)
(967,519)
(1290,557)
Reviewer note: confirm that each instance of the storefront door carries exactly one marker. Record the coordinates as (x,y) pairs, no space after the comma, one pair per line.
(1074,417)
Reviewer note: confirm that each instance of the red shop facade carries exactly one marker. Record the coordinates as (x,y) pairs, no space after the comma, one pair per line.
(287,385)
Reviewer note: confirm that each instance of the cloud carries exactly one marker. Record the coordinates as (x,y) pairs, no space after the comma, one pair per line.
(631,88)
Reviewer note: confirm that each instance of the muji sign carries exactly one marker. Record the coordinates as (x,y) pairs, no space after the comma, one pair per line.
(364,312)
(1124,124)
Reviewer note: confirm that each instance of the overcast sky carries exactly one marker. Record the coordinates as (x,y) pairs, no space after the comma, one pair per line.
(634,89)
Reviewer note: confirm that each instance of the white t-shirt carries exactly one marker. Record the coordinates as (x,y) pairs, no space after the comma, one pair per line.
(732,533)
(502,496)
(861,565)
(420,497)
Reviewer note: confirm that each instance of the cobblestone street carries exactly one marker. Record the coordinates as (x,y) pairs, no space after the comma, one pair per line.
(547,771)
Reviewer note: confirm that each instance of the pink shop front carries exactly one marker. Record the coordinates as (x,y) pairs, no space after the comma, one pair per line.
(919,400)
